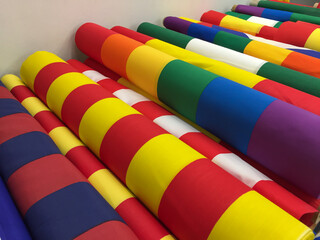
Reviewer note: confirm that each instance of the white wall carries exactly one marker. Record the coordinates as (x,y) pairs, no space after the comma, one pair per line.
(27,26)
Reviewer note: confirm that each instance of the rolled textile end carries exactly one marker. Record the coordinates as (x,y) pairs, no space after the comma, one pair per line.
(233,9)
(254,2)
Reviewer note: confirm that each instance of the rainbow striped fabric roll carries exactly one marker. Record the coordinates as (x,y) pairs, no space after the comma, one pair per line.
(274,14)
(161,170)
(291,3)
(286,76)
(11,223)
(303,50)
(302,37)
(255,19)
(286,7)
(282,92)
(54,198)
(258,49)
(247,119)
(138,218)
(206,146)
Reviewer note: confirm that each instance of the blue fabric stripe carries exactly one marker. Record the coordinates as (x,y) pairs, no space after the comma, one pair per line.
(10,106)
(23,149)
(230,111)
(202,32)
(311,53)
(241,34)
(278,15)
(69,212)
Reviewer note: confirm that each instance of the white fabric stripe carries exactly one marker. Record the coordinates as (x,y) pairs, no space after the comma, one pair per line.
(231,57)
(276,43)
(129,96)
(94,75)
(174,125)
(239,169)
(263,21)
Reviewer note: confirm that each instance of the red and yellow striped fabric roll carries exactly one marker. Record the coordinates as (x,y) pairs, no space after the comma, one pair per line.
(203,144)
(139,219)
(193,197)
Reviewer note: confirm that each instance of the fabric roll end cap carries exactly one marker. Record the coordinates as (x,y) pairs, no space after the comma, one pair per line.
(233,9)
(254,3)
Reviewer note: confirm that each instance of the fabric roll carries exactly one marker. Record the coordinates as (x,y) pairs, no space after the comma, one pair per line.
(303,50)
(138,218)
(206,146)
(256,19)
(204,102)
(302,37)
(274,14)
(160,169)
(285,93)
(298,4)
(12,226)
(286,7)
(273,54)
(55,199)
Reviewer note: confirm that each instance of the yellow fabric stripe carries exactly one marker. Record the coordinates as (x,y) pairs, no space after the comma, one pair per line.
(267,52)
(313,41)
(109,187)
(168,237)
(145,74)
(128,84)
(222,69)
(34,105)
(189,19)
(64,139)
(11,81)
(164,156)
(242,220)
(64,85)
(241,25)
(99,118)
(34,63)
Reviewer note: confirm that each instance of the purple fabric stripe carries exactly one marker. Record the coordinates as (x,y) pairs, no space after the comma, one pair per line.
(177,24)
(294,152)
(250,10)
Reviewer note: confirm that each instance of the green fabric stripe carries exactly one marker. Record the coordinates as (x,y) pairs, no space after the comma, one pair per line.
(173,37)
(231,41)
(239,15)
(292,78)
(305,18)
(180,85)
(290,8)
(278,25)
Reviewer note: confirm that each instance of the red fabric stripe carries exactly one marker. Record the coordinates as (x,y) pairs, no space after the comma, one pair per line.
(47,75)
(267,32)
(102,69)
(293,33)
(22,92)
(289,95)
(141,221)
(110,230)
(4,93)
(91,46)
(111,85)
(212,17)
(151,109)
(132,34)
(197,197)
(41,177)
(48,120)
(16,124)
(84,160)
(124,139)
(83,97)
(79,65)
(286,200)
(203,144)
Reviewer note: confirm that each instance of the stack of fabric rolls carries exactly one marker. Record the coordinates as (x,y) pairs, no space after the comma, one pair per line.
(204,129)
